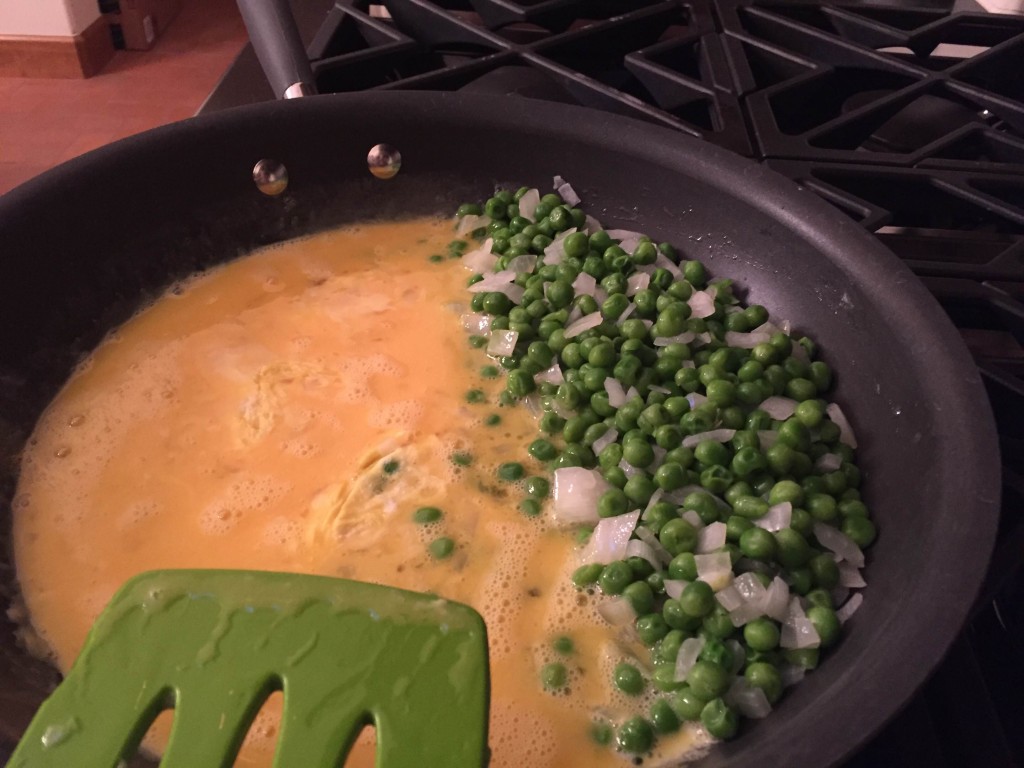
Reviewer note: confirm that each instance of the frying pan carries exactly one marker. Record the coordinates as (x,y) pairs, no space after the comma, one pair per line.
(86,243)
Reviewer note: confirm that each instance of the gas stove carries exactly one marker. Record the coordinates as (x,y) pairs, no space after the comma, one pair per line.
(909,120)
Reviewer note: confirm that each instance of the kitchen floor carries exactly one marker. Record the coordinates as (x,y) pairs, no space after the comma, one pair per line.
(44,122)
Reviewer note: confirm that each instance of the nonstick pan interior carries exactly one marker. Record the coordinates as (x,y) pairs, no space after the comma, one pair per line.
(87,242)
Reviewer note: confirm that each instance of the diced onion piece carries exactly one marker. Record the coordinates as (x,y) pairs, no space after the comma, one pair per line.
(778,517)
(836,541)
(715,435)
(839,418)
(528,204)
(678,496)
(502,343)
(584,284)
(828,462)
(565,190)
(749,587)
(481,259)
(585,323)
(647,536)
(689,651)
(551,375)
(674,587)
(636,282)
(523,263)
(610,539)
(629,244)
(767,327)
(799,633)
(575,495)
(739,655)
(850,576)
(631,394)
(660,390)
(780,408)
(592,225)
(638,548)
(668,265)
(629,310)
(476,322)
(470,223)
(729,598)
(623,234)
(493,281)
(655,498)
(747,565)
(766,438)
(715,569)
(628,469)
(682,338)
(749,700)
(710,538)
(695,399)
(555,252)
(604,440)
(701,304)
(746,340)
(776,601)
(849,607)
(791,674)
(693,518)
(574,314)
(617,611)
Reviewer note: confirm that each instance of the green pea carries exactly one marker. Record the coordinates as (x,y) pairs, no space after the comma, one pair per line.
(425,515)
(529,507)
(752,507)
(766,677)
(670,476)
(786,490)
(511,471)
(441,547)
(793,550)
(761,634)
(635,735)
(806,658)
(587,574)
(686,704)
(663,717)
(612,503)
(553,676)
(758,544)
(683,566)
(822,507)
(638,453)
(716,479)
(627,678)
(860,529)
(678,536)
(542,450)
(707,679)
(639,488)
(640,596)
(697,599)
(615,577)
(538,487)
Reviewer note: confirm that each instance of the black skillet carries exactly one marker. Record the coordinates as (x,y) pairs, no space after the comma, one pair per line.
(84,244)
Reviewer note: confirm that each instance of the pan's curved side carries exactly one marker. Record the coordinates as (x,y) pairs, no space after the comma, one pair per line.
(86,241)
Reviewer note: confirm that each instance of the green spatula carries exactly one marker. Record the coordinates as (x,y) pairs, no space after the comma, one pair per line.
(213,645)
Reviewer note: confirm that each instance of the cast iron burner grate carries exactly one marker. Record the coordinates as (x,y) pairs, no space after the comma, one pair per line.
(910,120)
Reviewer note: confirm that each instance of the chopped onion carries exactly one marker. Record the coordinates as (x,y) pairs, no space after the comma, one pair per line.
(839,418)
(689,651)
(780,408)
(778,517)
(471,222)
(630,308)
(636,282)
(610,539)
(528,204)
(638,548)
(715,435)
(575,495)
(493,281)
(481,259)
(701,304)
(523,263)
(655,498)
(710,538)
(682,338)
(749,700)
(628,469)
(799,633)
(618,611)
(715,569)
(502,343)
(749,587)
(568,194)
(766,438)
(604,440)
(674,587)
(555,252)
(828,462)
(849,607)
(746,565)
(659,390)
(623,234)
(551,403)
(552,375)
(836,541)
(631,394)
(739,655)
(678,496)
(850,576)
(592,225)
(729,598)
(693,518)
(791,674)
(746,340)
(695,399)
(646,535)
(776,600)
(629,244)
(584,284)
(574,314)
(585,323)
(668,265)
(476,322)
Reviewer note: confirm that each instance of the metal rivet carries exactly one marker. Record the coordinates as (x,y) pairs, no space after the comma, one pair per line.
(271,177)
(384,161)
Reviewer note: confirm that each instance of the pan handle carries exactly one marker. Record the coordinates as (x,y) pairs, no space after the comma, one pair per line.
(278,46)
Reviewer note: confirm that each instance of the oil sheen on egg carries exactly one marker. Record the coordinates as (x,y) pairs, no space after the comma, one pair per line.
(290,411)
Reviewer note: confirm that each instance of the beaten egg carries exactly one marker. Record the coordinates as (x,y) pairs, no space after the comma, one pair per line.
(290,411)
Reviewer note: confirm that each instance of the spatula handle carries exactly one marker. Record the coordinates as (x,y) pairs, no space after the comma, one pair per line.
(278,46)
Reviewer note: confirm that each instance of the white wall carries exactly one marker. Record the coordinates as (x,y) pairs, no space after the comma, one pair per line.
(60,18)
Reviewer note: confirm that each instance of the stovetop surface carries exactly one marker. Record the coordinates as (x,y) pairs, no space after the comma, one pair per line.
(910,120)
